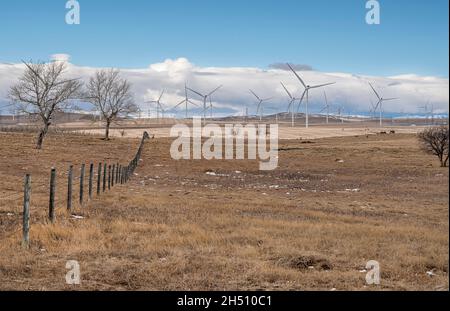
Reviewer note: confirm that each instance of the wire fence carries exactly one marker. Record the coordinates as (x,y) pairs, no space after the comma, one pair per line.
(79,187)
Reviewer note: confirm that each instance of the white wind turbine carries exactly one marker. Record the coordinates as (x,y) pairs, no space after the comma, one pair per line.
(259,109)
(291,106)
(379,105)
(185,101)
(306,92)
(159,106)
(327,107)
(205,98)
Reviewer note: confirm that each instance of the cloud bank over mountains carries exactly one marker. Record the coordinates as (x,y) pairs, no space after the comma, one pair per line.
(350,91)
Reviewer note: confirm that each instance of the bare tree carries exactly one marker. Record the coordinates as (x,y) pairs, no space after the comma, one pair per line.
(435,141)
(41,91)
(111,95)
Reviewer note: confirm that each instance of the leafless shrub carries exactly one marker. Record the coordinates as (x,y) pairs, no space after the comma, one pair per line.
(41,91)
(435,141)
(111,95)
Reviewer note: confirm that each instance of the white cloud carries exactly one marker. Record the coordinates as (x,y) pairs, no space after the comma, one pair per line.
(350,90)
(60,57)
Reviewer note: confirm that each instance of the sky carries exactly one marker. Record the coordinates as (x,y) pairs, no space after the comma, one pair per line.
(238,37)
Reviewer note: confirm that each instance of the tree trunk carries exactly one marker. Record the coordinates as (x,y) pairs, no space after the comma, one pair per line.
(108,124)
(42,135)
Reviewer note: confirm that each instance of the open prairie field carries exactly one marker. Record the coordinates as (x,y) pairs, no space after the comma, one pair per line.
(312,224)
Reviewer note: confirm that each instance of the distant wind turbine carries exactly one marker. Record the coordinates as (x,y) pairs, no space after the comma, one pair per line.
(291,106)
(306,92)
(327,107)
(259,109)
(379,105)
(205,98)
(159,106)
(185,101)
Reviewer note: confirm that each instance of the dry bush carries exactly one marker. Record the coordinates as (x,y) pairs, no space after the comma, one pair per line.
(435,141)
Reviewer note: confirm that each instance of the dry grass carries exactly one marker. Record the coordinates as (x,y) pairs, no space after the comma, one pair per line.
(311,224)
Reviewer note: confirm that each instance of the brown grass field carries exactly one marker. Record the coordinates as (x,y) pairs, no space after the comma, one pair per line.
(312,224)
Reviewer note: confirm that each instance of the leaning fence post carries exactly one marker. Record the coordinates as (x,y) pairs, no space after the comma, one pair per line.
(82,183)
(99,178)
(104,177)
(51,202)
(26,212)
(69,189)
(91,178)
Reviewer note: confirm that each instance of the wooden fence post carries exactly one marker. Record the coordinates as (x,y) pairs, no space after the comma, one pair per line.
(109,177)
(91,179)
(104,177)
(113,174)
(69,189)
(117,173)
(82,183)
(51,202)
(99,178)
(26,212)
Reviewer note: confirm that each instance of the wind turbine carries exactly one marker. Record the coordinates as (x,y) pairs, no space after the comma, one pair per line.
(205,98)
(185,101)
(159,106)
(291,104)
(259,110)
(306,92)
(327,107)
(379,105)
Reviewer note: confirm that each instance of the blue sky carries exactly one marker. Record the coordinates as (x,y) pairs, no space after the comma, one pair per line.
(328,35)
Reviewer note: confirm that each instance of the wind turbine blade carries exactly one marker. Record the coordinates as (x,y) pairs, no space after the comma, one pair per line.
(192,103)
(286,90)
(218,88)
(266,99)
(290,105)
(259,107)
(301,100)
(195,92)
(178,105)
(374,91)
(298,77)
(326,99)
(387,99)
(378,104)
(255,95)
(162,93)
(321,85)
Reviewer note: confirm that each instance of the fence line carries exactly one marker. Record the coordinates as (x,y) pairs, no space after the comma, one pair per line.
(110,174)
